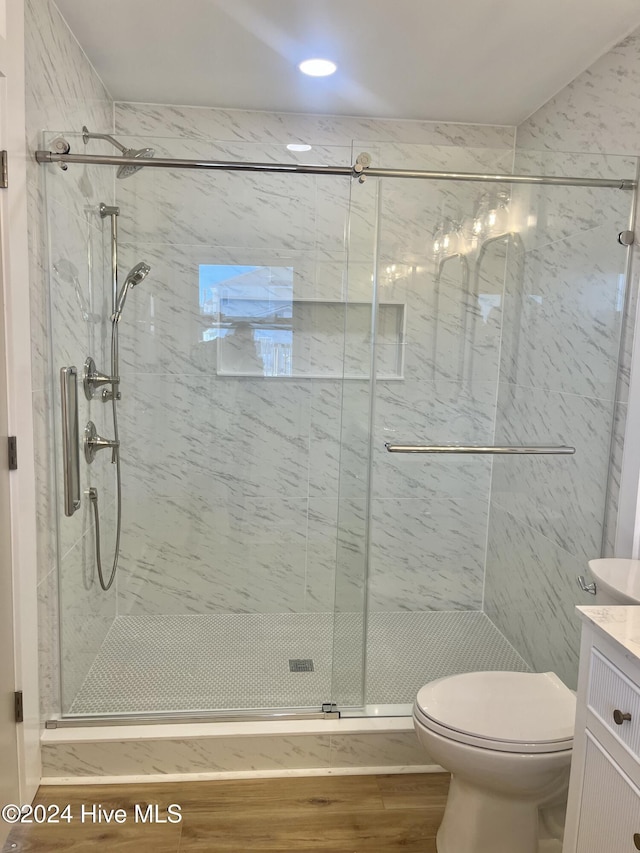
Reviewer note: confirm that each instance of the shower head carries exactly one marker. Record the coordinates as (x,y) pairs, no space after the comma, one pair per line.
(137,153)
(133,279)
(137,274)
(126,171)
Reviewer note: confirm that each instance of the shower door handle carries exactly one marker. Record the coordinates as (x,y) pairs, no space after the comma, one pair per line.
(559,449)
(70,439)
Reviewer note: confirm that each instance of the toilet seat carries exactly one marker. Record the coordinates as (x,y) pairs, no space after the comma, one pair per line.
(503,711)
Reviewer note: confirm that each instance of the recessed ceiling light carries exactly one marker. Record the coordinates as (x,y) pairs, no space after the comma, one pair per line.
(295,147)
(317,67)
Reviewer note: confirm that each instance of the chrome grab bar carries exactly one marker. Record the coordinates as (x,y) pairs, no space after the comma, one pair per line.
(456,448)
(70,439)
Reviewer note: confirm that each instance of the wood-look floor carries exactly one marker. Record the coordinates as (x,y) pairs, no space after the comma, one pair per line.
(323,814)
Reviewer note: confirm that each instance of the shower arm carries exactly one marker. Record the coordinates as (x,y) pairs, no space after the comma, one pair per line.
(87,135)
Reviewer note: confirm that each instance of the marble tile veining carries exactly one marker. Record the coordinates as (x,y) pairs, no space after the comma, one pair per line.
(246,126)
(186,756)
(427,555)
(619,622)
(562,497)
(531,594)
(595,115)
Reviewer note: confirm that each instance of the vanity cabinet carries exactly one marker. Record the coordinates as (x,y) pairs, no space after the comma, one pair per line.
(603,812)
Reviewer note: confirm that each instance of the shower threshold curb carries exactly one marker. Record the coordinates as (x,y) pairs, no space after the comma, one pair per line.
(154,778)
(170,731)
(243,750)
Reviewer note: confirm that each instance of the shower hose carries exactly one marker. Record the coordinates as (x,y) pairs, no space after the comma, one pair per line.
(93,492)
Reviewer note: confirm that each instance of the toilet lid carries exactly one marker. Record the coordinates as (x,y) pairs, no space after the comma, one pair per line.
(513,711)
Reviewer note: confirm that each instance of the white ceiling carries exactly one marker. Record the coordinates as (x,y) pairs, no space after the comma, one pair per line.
(487,61)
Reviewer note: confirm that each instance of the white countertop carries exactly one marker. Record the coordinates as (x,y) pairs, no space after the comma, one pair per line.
(619,622)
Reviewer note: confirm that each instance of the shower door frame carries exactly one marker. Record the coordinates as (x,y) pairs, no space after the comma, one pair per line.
(360,172)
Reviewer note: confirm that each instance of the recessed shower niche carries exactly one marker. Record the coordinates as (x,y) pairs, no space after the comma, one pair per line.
(306,339)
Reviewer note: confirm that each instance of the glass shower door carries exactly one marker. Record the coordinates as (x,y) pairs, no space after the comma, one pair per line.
(513,303)
(232,365)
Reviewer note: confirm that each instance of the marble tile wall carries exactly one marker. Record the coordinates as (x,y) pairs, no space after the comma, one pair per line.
(63,93)
(238,489)
(235,754)
(560,365)
(598,113)
(429,514)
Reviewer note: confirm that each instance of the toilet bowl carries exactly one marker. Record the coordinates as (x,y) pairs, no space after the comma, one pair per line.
(506,739)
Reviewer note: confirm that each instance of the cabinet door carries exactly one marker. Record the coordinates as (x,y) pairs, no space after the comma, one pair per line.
(610,806)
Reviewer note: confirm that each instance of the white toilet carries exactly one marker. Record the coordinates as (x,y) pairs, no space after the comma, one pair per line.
(506,738)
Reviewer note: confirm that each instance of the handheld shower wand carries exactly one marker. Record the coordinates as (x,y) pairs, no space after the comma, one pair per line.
(133,279)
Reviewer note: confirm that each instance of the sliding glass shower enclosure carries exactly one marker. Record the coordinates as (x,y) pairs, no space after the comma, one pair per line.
(365,423)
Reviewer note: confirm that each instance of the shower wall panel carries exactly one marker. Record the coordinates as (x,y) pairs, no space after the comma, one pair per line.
(594,113)
(559,365)
(68,98)
(224,486)
(239,487)
(429,513)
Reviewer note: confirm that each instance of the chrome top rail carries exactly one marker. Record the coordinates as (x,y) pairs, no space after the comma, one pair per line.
(356,170)
(557,180)
(174,163)
(455,448)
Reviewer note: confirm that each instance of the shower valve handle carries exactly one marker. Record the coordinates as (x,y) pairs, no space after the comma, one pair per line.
(94,442)
(92,379)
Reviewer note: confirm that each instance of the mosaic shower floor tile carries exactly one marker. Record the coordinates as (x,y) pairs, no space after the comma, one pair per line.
(176,663)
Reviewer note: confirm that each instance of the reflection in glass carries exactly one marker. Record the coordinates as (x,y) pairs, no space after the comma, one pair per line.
(251,311)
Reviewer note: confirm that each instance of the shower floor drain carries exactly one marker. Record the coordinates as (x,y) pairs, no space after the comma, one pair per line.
(300,665)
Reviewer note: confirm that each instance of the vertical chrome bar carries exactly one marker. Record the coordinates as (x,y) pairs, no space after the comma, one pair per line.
(70,439)
(113,213)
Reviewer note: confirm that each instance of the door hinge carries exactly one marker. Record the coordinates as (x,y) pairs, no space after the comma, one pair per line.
(18,706)
(4,170)
(13,452)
